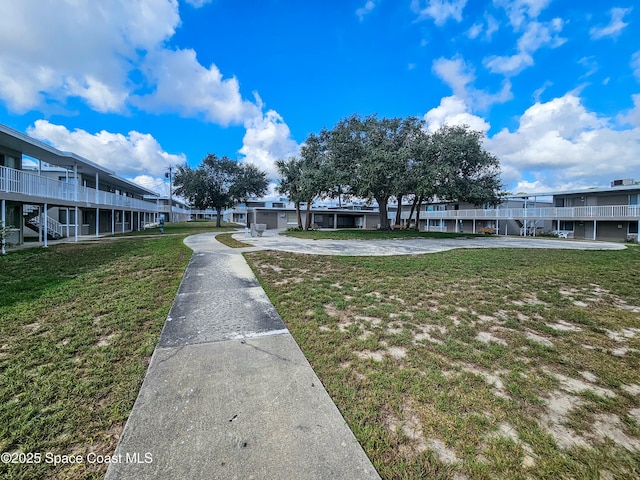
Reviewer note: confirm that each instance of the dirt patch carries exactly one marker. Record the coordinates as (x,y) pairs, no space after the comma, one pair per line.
(563,326)
(574,385)
(486,337)
(397,352)
(608,425)
(534,337)
(376,356)
(444,454)
(491,378)
(105,340)
(558,405)
(632,389)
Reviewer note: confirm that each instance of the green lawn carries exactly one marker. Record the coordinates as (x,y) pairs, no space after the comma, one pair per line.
(228,240)
(78,324)
(474,364)
(360,234)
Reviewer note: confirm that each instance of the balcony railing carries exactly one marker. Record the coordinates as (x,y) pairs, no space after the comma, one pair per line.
(610,212)
(25,183)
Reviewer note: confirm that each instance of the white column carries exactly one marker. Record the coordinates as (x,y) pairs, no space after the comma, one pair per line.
(68,219)
(77,224)
(113,221)
(474,225)
(497,227)
(75,176)
(40,224)
(335,221)
(46,240)
(3,219)
(558,225)
(595,226)
(97,198)
(97,220)
(122,221)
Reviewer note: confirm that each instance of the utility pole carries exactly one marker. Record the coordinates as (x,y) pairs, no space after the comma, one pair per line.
(169,175)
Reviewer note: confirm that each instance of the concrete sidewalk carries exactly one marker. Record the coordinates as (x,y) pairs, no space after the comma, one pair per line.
(228,393)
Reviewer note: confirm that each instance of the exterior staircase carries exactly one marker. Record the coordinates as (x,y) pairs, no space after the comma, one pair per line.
(33,221)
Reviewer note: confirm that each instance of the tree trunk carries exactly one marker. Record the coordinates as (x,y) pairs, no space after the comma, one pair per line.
(413,207)
(308,219)
(399,212)
(218,217)
(299,215)
(382,206)
(418,213)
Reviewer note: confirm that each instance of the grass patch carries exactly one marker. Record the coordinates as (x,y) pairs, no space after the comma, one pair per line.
(229,241)
(360,234)
(78,324)
(501,363)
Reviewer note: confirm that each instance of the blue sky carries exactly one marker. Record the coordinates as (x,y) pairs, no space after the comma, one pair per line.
(138,86)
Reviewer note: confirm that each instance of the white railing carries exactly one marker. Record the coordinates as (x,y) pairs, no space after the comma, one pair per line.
(25,183)
(54,228)
(611,212)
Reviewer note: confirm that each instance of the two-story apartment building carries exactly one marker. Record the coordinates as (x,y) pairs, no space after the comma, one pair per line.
(62,194)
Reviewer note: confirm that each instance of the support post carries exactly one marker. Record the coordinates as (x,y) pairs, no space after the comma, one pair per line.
(123,221)
(595,226)
(46,230)
(77,217)
(113,221)
(97,218)
(3,225)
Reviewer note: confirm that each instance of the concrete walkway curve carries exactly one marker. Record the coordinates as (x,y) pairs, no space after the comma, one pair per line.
(412,246)
(228,393)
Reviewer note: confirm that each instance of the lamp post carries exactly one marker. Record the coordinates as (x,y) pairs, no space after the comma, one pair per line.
(169,176)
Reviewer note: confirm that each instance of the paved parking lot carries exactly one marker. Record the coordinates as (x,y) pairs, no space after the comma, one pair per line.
(413,246)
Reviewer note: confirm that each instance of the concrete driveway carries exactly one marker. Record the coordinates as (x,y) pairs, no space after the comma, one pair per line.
(412,246)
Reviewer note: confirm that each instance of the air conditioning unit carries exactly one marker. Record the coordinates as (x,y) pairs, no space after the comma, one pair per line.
(624,182)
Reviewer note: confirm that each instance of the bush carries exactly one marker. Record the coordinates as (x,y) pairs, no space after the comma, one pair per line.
(295,229)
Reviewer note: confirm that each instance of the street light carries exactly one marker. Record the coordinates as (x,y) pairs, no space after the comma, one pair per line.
(168,175)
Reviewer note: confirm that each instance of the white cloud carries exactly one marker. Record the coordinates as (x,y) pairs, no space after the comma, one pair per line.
(632,117)
(132,155)
(509,65)
(476,29)
(453,111)
(455,73)
(50,51)
(519,11)
(196,91)
(535,36)
(560,143)
(439,10)
(266,140)
(615,26)
(198,3)
(159,185)
(635,64)
(365,10)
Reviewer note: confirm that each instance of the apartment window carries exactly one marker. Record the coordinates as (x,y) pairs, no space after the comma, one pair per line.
(564,225)
(62,216)
(292,217)
(633,199)
(434,222)
(278,205)
(633,228)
